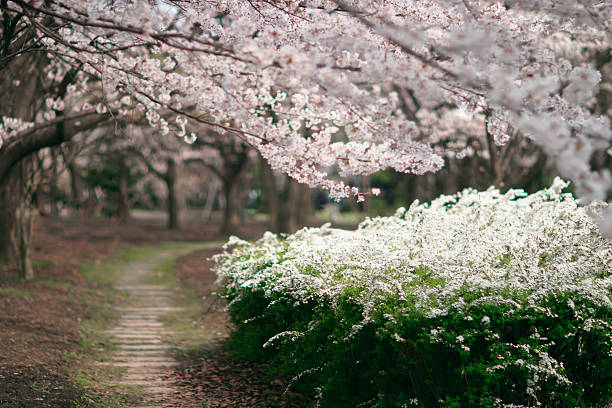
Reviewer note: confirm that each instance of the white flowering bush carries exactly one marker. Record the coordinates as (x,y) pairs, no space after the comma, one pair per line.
(480,299)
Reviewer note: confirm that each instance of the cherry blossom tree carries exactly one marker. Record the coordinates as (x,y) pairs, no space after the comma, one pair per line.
(35,91)
(345,69)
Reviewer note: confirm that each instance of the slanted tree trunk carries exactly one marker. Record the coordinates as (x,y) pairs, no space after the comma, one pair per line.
(211,196)
(173,204)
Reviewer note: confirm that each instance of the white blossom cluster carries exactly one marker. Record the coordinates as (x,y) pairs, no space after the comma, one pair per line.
(341,69)
(10,127)
(532,244)
(512,249)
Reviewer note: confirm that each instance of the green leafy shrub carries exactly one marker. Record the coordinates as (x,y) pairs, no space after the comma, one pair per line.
(480,299)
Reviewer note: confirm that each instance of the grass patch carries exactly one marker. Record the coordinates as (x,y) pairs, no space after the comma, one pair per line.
(18,292)
(38,263)
(190,338)
(163,273)
(56,284)
(107,273)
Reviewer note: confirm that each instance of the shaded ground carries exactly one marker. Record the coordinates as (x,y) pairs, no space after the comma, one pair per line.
(215,379)
(41,321)
(210,375)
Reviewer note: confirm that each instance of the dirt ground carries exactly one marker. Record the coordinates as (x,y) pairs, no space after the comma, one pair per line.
(40,319)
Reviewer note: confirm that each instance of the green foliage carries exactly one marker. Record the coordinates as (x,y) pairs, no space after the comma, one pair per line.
(482,356)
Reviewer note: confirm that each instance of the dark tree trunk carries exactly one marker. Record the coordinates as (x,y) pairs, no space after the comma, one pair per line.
(123,211)
(17,236)
(22,229)
(7,218)
(18,101)
(299,206)
(449,184)
(289,208)
(173,205)
(409,181)
(235,159)
(292,204)
(272,197)
(76,184)
(54,208)
(231,210)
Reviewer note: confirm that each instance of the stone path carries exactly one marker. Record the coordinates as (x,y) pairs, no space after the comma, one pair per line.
(138,336)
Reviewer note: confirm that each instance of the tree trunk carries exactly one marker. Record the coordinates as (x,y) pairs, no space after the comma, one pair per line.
(123,211)
(7,218)
(173,205)
(211,196)
(299,206)
(307,203)
(76,184)
(449,184)
(22,253)
(272,195)
(231,210)
(292,206)
(19,89)
(19,195)
(288,209)
(54,209)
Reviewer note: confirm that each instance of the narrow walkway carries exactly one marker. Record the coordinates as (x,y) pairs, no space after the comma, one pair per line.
(138,336)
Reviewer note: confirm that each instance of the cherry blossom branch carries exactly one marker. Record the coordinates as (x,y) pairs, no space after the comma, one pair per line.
(360,16)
